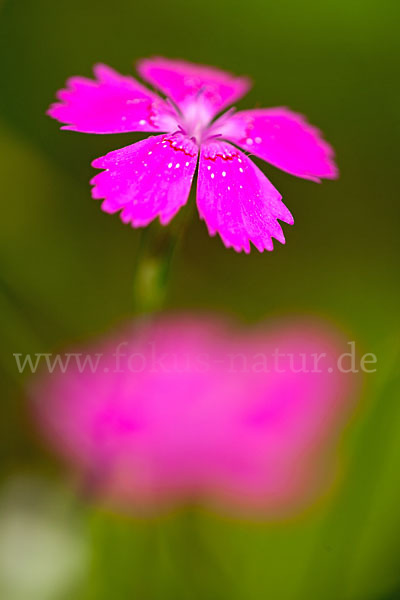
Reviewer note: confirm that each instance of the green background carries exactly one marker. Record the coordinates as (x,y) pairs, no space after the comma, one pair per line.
(66,271)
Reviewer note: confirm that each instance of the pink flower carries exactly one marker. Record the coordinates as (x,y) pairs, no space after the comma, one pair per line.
(185,409)
(152,178)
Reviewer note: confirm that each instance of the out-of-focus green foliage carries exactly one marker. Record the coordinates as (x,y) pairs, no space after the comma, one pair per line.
(66,271)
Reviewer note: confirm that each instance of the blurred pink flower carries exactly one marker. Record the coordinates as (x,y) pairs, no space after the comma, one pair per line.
(187,409)
(152,178)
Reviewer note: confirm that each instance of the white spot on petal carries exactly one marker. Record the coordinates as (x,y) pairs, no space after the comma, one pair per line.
(142,122)
(212,175)
(223,173)
(241,170)
(186,164)
(151,152)
(258,140)
(170,166)
(177,166)
(249,141)
(209,167)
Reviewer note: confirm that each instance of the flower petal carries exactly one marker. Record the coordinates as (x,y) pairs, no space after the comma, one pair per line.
(283,138)
(282,446)
(237,201)
(112,103)
(184,82)
(149,179)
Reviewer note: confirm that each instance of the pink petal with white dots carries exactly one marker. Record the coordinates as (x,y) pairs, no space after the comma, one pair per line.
(112,103)
(149,179)
(237,201)
(185,83)
(283,138)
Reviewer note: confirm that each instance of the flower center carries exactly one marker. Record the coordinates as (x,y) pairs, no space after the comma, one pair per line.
(195,119)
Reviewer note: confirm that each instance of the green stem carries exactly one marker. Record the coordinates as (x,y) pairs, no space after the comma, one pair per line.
(154,258)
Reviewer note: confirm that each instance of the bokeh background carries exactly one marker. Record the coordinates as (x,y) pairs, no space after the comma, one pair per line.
(66,274)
